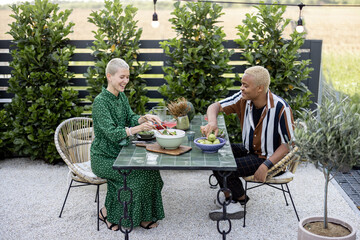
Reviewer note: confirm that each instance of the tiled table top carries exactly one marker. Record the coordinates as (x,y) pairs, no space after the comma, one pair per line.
(132,157)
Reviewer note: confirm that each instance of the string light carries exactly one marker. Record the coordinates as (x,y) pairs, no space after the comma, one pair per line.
(300,27)
(155,22)
(280,4)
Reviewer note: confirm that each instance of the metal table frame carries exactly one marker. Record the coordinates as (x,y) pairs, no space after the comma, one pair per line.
(132,157)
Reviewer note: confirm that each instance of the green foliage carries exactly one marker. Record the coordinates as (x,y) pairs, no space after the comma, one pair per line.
(330,138)
(5,141)
(197,58)
(233,128)
(117,36)
(341,69)
(261,38)
(40,78)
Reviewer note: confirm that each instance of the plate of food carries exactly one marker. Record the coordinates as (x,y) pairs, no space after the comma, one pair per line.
(145,136)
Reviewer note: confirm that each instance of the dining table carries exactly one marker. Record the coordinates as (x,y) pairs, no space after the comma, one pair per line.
(135,157)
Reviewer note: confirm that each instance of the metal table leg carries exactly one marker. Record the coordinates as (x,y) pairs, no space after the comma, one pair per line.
(125,205)
(212,185)
(224,204)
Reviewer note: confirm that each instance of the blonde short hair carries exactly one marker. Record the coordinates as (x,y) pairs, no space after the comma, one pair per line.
(261,76)
(115,64)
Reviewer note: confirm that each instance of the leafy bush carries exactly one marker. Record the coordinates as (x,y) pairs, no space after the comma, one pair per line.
(261,38)
(5,142)
(197,57)
(117,37)
(330,138)
(40,78)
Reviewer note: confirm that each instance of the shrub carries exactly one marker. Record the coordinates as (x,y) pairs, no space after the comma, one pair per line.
(261,38)
(117,37)
(330,138)
(5,141)
(40,78)
(197,57)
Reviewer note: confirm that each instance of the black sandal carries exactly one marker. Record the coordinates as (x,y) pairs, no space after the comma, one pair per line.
(106,222)
(148,226)
(111,227)
(102,215)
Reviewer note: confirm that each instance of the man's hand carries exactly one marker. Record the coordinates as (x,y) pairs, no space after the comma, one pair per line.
(212,113)
(261,173)
(209,128)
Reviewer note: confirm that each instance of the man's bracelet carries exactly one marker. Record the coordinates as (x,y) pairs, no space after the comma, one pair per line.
(268,163)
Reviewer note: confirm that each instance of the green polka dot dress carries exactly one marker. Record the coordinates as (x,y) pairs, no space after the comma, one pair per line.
(111,115)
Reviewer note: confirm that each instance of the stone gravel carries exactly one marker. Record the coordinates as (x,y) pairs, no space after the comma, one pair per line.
(32,193)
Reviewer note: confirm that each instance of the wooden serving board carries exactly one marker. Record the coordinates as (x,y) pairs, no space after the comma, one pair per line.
(155,147)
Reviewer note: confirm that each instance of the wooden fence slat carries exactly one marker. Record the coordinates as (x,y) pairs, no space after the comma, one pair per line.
(5,57)
(4,94)
(154,94)
(311,49)
(78,82)
(154,82)
(151,57)
(5,70)
(83,57)
(4,82)
(5,44)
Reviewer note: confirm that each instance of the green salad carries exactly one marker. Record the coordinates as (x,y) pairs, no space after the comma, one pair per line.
(146,133)
(167,132)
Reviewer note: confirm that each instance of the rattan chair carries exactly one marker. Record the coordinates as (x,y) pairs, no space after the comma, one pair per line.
(73,139)
(280,174)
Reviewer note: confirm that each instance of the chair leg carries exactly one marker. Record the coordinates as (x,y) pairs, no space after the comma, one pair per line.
(67,194)
(245,204)
(288,189)
(97,194)
(282,187)
(98,210)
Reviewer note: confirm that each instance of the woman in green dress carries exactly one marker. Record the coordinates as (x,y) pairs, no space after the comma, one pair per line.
(114,122)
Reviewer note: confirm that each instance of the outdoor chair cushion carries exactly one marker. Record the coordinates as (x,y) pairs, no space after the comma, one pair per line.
(85,169)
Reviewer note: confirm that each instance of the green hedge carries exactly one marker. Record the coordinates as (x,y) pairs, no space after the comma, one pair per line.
(198,58)
(40,80)
(117,36)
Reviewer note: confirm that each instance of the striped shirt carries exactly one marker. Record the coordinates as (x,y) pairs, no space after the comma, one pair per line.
(276,124)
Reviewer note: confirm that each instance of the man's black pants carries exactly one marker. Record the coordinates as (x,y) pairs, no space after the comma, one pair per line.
(247,164)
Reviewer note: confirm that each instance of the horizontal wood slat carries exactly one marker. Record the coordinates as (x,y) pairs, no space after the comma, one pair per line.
(81,60)
(5,70)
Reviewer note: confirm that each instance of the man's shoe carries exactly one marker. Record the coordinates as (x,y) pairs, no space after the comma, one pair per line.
(222,199)
(234,211)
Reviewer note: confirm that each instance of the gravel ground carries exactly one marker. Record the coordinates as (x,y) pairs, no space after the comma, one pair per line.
(32,192)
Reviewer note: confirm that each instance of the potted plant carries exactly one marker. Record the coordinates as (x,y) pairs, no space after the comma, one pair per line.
(179,110)
(329,138)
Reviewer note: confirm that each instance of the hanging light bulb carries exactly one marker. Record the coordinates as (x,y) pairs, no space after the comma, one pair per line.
(155,22)
(300,26)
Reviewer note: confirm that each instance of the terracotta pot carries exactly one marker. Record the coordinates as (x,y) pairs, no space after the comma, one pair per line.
(304,234)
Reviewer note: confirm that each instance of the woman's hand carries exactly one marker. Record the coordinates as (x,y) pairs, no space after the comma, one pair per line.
(146,126)
(150,117)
